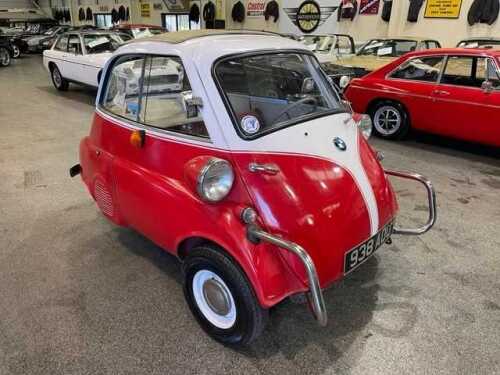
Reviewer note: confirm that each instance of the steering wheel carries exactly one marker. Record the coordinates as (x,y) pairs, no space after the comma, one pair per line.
(307,99)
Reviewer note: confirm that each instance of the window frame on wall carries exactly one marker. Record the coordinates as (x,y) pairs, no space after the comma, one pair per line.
(105,15)
(177,14)
(138,121)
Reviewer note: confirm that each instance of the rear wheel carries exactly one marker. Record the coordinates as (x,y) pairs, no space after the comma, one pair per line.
(57,79)
(390,120)
(4,57)
(221,298)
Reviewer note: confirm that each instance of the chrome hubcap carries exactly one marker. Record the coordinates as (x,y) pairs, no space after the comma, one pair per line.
(387,120)
(17,52)
(216,296)
(214,299)
(57,77)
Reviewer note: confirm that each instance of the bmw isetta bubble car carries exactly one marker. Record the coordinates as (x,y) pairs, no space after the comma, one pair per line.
(253,171)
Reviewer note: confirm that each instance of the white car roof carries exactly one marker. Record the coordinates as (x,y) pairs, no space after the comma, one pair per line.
(206,46)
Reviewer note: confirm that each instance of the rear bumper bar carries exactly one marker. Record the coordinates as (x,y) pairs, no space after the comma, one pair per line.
(431,198)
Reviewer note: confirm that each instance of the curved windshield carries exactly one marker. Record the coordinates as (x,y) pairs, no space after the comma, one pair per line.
(51,31)
(325,43)
(388,48)
(98,43)
(479,43)
(267,92)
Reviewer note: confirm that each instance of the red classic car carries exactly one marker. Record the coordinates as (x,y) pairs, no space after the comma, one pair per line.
(451,92)
(251,170)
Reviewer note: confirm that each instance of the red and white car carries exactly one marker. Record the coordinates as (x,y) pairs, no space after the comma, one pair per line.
(451,92)
(253,172)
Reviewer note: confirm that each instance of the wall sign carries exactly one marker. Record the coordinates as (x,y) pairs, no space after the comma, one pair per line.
(308,17)
(443,8)
(369,6)
(145,10)
(255,8)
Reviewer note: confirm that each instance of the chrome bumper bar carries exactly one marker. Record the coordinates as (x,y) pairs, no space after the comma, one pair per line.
(317,302)
(431,197)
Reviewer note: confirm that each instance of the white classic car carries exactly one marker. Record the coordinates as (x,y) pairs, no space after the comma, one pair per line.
(329,47)
(79,57)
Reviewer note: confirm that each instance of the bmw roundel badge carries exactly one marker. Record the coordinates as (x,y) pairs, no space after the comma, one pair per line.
(339,143)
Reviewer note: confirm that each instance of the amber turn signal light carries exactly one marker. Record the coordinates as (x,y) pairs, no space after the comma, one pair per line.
(137,138)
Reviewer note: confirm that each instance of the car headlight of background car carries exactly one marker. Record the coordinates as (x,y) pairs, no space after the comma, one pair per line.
(215,180)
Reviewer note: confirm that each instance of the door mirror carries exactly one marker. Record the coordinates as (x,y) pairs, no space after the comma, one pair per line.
(308,85)
(487,87)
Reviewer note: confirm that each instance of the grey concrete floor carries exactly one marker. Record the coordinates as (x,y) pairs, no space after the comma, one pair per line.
(79,295)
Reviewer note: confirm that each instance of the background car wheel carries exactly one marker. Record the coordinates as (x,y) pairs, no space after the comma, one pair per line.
(57,79)
(4,57)
(16,51)
(390,120)
(221,298)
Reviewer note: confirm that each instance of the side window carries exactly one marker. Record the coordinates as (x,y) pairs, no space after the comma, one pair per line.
(425,69)
(487,71)
(432,44)
(124,86)
(62,44)
(463,71)
(165,94)
(74,45)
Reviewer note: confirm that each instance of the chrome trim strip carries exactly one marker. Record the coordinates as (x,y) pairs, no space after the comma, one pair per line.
(431,196)
(317,301)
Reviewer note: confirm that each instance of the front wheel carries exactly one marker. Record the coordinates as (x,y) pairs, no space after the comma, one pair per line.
(57,79)
(220,297)
(16,51)
(4,57)
(390,120)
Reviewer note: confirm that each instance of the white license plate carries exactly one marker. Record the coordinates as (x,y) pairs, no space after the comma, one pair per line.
(355,257)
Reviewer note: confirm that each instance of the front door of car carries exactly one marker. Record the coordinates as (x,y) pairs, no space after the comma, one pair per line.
(147,94)
(415,81)
(462,108)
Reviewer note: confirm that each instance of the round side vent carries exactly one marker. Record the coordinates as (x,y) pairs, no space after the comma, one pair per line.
(103,197)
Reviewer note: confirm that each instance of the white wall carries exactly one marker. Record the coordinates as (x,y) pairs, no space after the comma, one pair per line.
(447,31)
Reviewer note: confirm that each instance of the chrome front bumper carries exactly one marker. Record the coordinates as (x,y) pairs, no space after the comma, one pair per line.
(315,292)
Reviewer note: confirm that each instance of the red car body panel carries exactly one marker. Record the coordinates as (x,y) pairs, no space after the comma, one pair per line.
(461,112)
(312,201)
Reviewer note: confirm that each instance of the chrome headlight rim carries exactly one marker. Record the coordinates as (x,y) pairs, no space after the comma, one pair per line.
(367,129)
(201,179)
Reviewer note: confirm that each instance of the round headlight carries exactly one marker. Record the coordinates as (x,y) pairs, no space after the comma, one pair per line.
(365,126)
(215,180)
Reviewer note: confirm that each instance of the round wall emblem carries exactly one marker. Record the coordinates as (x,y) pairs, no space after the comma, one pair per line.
(308,16)
(339,143)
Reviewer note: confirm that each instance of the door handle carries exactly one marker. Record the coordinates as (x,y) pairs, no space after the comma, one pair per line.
(441,92)
(264,168)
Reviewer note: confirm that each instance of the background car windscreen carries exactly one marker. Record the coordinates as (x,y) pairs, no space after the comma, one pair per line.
(388,48)
(98,43)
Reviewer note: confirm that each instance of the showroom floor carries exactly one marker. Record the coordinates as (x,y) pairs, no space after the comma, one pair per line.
(79,295)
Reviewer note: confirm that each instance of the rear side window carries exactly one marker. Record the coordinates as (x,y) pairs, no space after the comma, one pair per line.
(62,43)
(124,84)
(425,69)
(469,71)
(154,91)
